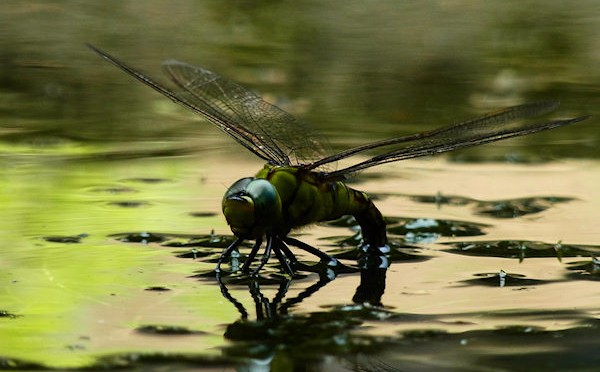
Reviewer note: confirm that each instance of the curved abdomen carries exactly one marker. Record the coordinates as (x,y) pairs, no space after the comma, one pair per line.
(306,199)
(366,214)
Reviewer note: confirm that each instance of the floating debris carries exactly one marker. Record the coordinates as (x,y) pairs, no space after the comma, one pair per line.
(69,239)
(167,330)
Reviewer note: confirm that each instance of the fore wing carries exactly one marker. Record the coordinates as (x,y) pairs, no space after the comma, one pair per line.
(269,132)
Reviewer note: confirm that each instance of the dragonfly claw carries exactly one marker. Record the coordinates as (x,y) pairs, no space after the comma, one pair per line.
(332,262)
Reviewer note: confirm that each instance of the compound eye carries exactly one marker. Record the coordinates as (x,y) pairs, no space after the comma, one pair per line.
(251,207)
(239,187)
(264,195)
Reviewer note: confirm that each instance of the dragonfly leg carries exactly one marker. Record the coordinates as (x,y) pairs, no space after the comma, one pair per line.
(288,253)
(330,261)
(227,252)
(266,255)
(251,255)
(277,248)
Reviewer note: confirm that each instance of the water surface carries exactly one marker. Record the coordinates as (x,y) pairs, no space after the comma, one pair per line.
(110,202)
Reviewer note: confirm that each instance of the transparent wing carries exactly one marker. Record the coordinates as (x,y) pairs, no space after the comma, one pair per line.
(490,127)
(269,132)
(276,136)
(287,140)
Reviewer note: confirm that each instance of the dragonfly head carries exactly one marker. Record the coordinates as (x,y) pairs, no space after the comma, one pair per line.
(252,207)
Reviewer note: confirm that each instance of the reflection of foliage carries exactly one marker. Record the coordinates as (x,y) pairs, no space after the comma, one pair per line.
(18,364)
(166,330)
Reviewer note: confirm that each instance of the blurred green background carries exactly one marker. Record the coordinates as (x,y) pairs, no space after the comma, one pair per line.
(355,70)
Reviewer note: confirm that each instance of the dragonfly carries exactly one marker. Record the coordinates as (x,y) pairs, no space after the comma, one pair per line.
(297,186)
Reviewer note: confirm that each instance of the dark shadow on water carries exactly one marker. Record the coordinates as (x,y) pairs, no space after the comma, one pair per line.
(584,270)
(512,208)
(504,208)
(8,315)
(14,364)
(501,349)
(203,214)
(168,330)
(157,289)
(305,341)
(140,237)
(147,180)
(66,239)
(518,347)
(520,249)
(114,190)
(130,204)
(502,279)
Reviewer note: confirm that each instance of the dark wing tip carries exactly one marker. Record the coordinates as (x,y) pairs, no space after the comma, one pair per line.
(100,52)
(582,118)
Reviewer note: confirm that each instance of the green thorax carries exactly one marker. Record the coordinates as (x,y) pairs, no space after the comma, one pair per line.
(307,198)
